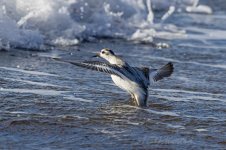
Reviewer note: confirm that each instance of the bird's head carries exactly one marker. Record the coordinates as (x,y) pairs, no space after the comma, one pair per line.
(110,56)
(106,54)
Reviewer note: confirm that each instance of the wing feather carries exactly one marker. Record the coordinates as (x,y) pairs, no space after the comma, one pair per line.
(97,66)
(165,71)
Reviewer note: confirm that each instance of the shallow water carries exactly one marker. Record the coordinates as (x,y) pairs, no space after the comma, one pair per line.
(46,104)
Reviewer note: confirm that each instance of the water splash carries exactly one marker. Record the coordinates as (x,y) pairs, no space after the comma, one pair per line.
(32,24)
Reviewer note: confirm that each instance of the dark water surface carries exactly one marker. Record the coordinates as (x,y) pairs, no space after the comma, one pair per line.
(51,105)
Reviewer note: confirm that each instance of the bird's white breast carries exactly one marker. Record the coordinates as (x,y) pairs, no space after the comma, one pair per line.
(126,85)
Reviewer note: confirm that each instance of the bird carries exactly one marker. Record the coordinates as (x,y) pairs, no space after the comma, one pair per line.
(134,80)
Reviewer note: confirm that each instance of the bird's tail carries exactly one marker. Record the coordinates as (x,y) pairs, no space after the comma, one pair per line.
(165,71)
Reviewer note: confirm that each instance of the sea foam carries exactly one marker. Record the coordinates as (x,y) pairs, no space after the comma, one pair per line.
(32,24)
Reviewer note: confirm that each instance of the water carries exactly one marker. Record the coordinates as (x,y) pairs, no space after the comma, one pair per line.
(51,105)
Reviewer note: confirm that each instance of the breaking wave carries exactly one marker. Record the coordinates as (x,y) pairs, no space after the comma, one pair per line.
(32,24)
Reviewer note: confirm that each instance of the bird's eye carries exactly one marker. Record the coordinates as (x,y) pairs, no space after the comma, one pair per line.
(103,52)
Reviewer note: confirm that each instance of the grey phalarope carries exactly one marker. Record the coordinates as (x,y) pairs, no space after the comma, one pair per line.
(134,80)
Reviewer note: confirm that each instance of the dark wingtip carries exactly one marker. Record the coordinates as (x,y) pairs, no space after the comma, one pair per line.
(170,67)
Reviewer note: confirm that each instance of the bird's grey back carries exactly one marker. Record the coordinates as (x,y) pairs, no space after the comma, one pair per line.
(138,75)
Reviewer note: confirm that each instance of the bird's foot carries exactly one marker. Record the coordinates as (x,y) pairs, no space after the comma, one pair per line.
(132,101)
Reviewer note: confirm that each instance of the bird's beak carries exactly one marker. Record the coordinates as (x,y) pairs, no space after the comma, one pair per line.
(96,55)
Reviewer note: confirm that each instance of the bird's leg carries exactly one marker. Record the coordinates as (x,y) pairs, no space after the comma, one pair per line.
(132,100)
(140,100)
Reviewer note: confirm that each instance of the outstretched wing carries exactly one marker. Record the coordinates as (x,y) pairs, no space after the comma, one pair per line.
(158,74)
(97,66)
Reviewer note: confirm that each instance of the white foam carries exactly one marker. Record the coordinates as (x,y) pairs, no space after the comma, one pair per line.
(191,96)
(168,113)
(168,13)
(36,83)
(176,99)
(201,117)
(165,113)
(186,91)
(201,130)
(22,112)
(71,115)
(196,8)
(29,72)
(187,98)
(176,126)
(71,97)
(63,41)
(199,9)
(43,92)
(30,24)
